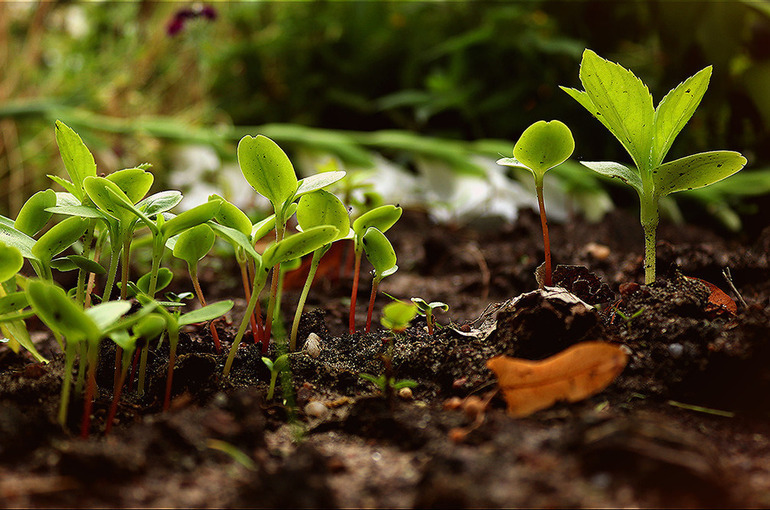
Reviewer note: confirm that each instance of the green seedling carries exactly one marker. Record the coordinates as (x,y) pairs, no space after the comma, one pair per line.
(542,146)
(295,246)
(317,209)
(174,322)
(623,104)
(280,364)
(396,317)
(63,315)
(146,329)
(428,310)
(14,302)
(269,171)
(191,246)
(381,218)
(382,256)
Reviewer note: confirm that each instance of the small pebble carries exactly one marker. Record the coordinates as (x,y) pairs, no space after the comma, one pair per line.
(316,409)
(406,393)
(676,350)
(598,251)
(312,345)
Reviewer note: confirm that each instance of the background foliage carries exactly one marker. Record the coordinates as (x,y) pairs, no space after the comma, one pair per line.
(137,79)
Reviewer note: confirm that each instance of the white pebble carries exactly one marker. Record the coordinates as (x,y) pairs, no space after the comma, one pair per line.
(312,345)
(316,409)
(676,350)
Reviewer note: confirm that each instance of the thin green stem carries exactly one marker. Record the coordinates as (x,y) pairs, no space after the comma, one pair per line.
(157,253)
(80,291)
(256,329)
(259,282)
(303,297)
(112,271)
(124,267)
(69,361)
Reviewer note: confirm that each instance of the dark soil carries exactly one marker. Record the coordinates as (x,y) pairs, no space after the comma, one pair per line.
(687,423)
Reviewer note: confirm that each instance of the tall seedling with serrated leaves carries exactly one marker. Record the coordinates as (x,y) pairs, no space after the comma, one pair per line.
(542,146)
(623,104)
(269,171)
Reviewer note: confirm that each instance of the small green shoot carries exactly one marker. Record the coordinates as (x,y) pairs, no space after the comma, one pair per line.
(381,218)
(623,104)
(382,256)
(428,310)
(315,209)
(280,364)
(542,146)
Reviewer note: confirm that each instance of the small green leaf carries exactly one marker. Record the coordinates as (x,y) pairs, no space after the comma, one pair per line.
(379,251)
(281,363)
(236,238)
(77,159)
(206,313)
(19,240)
(150,326)
(193,244)
(109,198)
(424,306)
(82,211)
(190,218)
(696,171)
(231,216)
(318,181)
(675,110)
(60,313)
(323,208)
(262,227)
(267,168)
(164,279)
(134,182)
(160,202)
(11,261)
(86,264)
(106,314)
(543,145)
(60,237)
(34,214)
(617,171)
(382,218)
(71,188)
(298,245)
(268,363)
(13,302)
(397,315)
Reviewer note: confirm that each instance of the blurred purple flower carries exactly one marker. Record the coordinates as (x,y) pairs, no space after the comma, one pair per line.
(177,22)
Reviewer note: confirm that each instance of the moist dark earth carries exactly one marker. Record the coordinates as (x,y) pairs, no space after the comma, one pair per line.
(687,422)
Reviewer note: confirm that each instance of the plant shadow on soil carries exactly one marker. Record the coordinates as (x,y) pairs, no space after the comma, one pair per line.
(649,439)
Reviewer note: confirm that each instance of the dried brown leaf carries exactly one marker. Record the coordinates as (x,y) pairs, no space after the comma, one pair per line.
(574,374)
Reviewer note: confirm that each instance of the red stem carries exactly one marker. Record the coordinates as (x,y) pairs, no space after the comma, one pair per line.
(115,400)
(546,242)
(133,370)
(375,284)
(354,294)
(169,377)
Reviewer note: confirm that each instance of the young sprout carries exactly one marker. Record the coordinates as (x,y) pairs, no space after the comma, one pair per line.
(147,328)
(381,218)
(542,146)
(427,310)
(269,171)
(191,246)
(382,256)
(315,209)
(61,314)
(13,303)
(289,248)
(281,363)
(396,317)
(623,104)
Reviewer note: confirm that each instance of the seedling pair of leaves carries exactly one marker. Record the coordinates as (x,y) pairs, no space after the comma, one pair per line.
(542,146)
(268,170)
(623,104)
(368,235)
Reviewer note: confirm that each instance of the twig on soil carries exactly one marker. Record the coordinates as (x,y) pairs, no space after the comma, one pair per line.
(729,279)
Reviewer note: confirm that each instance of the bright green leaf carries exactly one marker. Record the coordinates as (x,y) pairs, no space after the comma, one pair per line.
(231,216)
(60,313)
(59,237)
(543,145)
(267,168)
(617,171)
(190,218)
(379,251)
(316,182)
(33,214)
(696,171)
(298,245)
(77,159)
(134,182)
(106,314)
(11,261)
(193,244)
(206,313)
(323,208)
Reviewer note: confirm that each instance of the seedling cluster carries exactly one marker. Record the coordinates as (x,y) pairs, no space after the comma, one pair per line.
(98,219)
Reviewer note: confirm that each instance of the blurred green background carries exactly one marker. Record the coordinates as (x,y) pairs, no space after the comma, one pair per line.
(362,80)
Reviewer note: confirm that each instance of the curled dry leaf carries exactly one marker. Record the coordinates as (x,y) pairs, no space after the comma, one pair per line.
(574,374)
(719,302)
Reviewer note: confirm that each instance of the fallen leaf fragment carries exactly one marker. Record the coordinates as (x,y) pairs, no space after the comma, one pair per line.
(719,301)
(574,374)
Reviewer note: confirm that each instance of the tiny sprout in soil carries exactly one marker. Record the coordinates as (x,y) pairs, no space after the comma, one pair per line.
(542,146)
(280,364)
(428,310)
